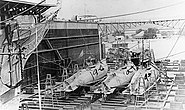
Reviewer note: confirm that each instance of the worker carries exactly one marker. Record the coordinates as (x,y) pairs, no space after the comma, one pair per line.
(146,58)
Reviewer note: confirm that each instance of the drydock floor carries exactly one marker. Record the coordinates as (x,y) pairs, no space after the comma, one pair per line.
(170,96)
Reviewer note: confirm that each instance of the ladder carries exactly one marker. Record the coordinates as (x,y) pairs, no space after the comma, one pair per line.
(153,82)
(179,99)
(64,74)
(141,95)
(49,92)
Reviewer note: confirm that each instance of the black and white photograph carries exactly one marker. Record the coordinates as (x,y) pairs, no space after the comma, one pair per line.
(92,54)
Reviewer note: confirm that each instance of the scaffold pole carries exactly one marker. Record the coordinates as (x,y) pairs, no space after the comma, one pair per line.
(38,74)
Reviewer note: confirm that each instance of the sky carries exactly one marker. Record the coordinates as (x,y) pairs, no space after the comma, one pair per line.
(177,53)
(103,8)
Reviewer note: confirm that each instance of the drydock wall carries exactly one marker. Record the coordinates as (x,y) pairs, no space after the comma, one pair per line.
(65,44)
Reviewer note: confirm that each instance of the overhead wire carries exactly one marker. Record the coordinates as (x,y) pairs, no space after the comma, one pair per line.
(137,12)
(134,46)
(172,55)
(175,42)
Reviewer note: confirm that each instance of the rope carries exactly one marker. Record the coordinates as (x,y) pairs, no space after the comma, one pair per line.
(22,12)
(86,48)
(47,67)
(4,5)
(48,60)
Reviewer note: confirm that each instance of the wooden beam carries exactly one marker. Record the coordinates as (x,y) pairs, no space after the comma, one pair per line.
(75,46)
(68,37)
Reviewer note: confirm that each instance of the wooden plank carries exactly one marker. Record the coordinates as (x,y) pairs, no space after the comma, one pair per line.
(67,107)
(7,95)
(172,109)
(181,86)
(108,108)
(95,106)
(179,82)
(113,104)
(166,97)
(45,108)
(180,92)
(176,105)
(133,108)
(180,74)
(180,98)
(179,77)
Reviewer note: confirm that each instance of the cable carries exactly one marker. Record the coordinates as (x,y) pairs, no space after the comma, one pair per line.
(175,42)
(137,12)
(134,46)
(172,47)
(48,60)
(49,68)
(172,55)
(5,5)
(22,12)
(87,52)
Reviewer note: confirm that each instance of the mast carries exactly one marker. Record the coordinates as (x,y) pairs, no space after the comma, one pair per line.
(20,50)
(100,43)
(7,37)
(142,53)
(37,62)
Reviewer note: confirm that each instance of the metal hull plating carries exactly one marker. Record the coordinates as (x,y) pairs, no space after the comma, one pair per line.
(86,76)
